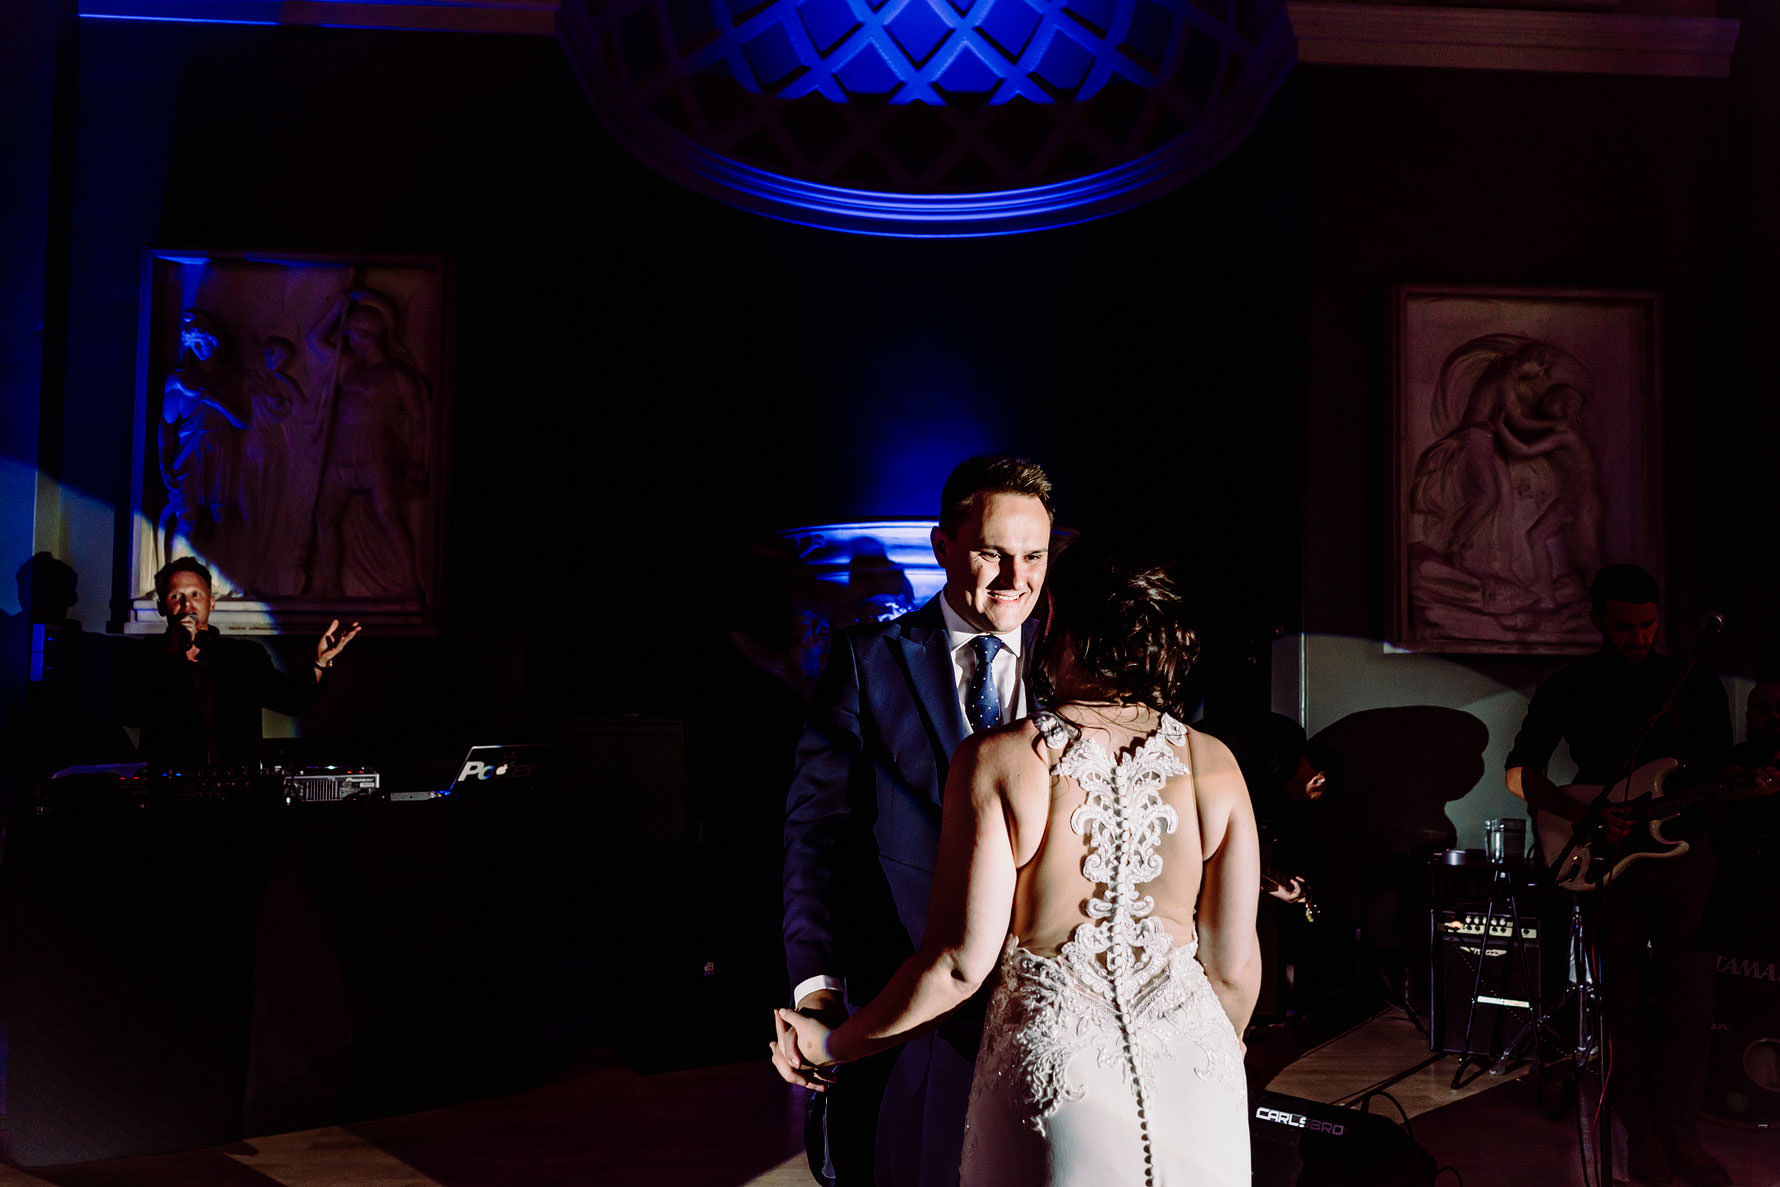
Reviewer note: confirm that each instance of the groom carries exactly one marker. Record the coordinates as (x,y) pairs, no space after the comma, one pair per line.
(863,815)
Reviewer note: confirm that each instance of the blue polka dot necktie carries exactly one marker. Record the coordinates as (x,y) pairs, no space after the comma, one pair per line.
(981,703)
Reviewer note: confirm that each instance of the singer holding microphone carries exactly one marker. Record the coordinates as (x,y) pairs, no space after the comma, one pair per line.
(1620,708)
(197,694)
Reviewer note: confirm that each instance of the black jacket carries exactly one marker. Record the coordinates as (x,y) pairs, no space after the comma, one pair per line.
(205,713)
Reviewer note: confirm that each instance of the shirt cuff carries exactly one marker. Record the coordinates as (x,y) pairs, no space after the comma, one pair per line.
(809,986)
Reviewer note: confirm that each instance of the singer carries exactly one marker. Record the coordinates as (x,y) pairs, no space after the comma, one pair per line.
(197,694)
(1619,708)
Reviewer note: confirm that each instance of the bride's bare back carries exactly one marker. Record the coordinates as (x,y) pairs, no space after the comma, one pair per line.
(1193,899)
(1051,893)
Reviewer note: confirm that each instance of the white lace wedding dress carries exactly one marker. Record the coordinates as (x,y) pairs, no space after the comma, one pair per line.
(1112,1062)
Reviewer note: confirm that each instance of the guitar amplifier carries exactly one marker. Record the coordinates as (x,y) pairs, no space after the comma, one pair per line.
(1507,992)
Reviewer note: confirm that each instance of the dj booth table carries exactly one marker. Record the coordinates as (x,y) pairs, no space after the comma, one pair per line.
(181,974)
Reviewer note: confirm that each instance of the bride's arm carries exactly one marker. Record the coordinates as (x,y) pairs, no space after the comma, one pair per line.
(1231,890)
(967,919)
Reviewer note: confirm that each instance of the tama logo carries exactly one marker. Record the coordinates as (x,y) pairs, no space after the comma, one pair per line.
(1760,970)
(1299,1121)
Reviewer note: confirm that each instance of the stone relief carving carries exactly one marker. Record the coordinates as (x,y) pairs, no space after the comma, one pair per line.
(1527,426)
(306,476)
(201,412)
(1508,494)
(373,450)
(274,435)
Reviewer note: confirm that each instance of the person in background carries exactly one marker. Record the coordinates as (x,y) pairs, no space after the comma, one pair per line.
(195,693)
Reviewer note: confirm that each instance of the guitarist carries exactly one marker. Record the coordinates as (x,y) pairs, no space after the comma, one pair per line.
(1645,922)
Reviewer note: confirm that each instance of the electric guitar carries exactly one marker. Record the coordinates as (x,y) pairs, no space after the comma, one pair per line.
(1593,863)
(1271,882)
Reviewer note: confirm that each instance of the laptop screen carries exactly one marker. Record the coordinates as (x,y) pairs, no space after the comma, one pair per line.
(486,767)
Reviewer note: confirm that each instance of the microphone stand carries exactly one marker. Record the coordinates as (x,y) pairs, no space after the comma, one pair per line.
(1591,825)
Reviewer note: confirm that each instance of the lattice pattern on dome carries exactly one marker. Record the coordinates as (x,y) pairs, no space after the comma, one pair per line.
(928,97)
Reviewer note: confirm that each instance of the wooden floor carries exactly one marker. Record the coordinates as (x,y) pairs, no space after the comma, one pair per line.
(738,1126)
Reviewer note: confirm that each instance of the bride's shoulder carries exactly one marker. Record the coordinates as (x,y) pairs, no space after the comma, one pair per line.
(1217,779)
(1210,756)
(1010,746)
(1019,742)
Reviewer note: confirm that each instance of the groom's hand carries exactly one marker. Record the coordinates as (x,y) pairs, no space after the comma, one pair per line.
(793,1066)
(827,1007)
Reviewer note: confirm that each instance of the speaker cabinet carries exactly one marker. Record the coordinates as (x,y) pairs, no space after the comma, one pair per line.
(1507,992)
(1301,1143)
(1743,1068)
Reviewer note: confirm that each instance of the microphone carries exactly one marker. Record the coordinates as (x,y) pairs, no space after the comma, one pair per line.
(1711,622)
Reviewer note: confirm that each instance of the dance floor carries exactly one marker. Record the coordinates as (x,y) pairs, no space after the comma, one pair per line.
(737,1126)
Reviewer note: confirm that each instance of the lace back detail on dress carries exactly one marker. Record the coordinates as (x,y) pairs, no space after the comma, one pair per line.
(1119,985)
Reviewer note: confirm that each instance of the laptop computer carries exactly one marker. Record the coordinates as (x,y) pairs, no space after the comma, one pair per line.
(486,768)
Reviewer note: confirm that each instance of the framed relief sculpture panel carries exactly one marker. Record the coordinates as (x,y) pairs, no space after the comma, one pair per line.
(292,428)
(1528,455)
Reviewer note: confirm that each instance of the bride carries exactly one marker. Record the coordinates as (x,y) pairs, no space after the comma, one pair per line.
(1101,858)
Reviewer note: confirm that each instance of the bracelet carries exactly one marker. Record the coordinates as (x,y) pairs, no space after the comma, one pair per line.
(321,667)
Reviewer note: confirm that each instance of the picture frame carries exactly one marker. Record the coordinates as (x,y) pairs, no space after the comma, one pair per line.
(1527,430)
(292,431)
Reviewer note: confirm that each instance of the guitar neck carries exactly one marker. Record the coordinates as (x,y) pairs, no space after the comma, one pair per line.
(1673,803)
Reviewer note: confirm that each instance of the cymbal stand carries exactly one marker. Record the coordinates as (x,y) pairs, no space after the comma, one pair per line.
(1501,879)
(1582,994)
(1579,994)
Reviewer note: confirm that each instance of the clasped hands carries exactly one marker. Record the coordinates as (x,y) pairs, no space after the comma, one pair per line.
(800,1050)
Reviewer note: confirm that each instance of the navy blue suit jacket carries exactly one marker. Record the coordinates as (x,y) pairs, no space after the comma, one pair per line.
(862,825)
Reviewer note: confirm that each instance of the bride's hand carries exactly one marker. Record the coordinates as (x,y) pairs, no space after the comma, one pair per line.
(800,1054)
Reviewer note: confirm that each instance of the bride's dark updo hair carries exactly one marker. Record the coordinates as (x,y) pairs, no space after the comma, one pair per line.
(1126,619)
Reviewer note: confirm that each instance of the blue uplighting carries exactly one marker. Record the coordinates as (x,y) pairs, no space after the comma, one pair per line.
(930,118)
(924,51)
(927,216)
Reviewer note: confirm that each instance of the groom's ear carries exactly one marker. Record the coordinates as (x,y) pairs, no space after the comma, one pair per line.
(941,542)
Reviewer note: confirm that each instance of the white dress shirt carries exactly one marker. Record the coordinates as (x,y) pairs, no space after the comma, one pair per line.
(1004,671)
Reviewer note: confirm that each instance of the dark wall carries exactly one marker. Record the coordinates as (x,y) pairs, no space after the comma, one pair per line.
(646,379)
(1487,178)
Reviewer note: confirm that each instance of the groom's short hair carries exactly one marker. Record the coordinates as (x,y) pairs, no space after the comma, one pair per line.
(990,474)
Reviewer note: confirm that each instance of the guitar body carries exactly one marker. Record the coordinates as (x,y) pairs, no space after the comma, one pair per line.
(1585,869)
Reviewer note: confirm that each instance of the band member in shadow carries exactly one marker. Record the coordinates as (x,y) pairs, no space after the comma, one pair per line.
(1656,983)
(1284,778)
(1743,914)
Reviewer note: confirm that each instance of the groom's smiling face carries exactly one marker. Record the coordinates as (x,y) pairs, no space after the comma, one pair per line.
(995,563)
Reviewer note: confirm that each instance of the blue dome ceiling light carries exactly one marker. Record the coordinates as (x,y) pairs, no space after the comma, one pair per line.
(930,117)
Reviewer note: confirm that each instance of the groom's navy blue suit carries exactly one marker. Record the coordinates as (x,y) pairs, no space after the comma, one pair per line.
(862,827)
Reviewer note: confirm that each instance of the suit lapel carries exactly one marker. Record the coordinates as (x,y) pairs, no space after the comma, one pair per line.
(927,658)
